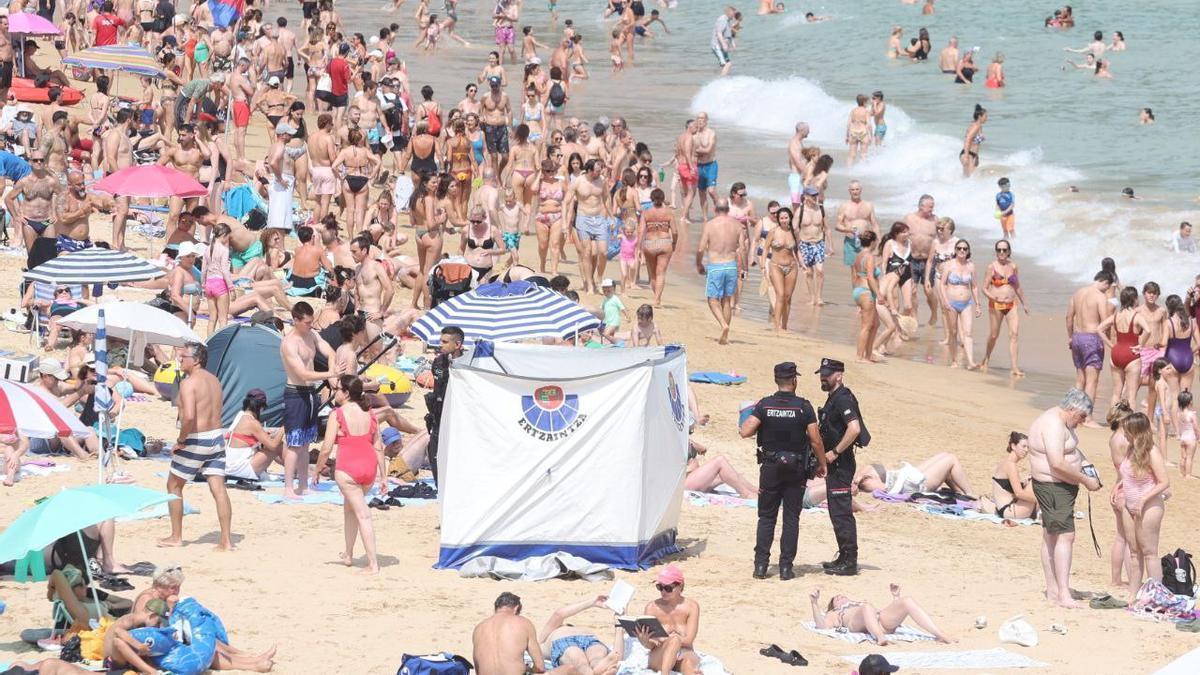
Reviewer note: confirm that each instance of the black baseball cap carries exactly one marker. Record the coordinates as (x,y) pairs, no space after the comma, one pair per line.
(785,370)
(830,366)
(875,664)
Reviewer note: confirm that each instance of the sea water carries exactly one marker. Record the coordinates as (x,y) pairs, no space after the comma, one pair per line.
(1048,129)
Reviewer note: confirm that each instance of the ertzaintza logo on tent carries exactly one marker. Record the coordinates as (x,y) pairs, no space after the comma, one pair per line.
(676,400)
(550,414)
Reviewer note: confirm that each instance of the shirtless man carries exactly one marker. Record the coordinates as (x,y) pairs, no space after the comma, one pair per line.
(301,402)
(287,41)
(373,287)
(200,448)
(596,147)
(499,643)
(308,259)
(116,154)
(948,58)
(495,116)
(680,617)
(6,58)
(589,194)
(1154,340)
(878,110)
(722,239)
(1058,468)
(797,164)
(321,150)
(56,142)
(71,229)
(1096,47)
(813,242)
(487,197)
(858,130)
(853,218)
(685,167)
(187,156)
(1088,307)
(242,91)
(272,57)
(922,224)
(336,250)
(705,144)
(35,214)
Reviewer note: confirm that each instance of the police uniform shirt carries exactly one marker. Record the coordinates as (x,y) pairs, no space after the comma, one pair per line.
(840,409)
(784,419)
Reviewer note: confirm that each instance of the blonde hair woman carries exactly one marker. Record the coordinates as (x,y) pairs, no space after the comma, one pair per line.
(1143,474)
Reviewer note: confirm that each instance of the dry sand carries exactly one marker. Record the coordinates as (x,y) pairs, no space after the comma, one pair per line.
(285,586)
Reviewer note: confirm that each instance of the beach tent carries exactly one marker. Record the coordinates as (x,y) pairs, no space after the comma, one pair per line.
(545,449)
(244,358)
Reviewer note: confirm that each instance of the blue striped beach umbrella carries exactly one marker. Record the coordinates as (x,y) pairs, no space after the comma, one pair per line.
(103,395)
(502,312)
(95,266)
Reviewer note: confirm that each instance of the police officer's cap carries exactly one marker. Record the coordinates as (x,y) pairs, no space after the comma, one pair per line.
(831,366)
(785,370)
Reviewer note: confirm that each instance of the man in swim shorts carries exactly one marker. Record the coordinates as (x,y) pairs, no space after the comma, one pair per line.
(705,146)
(200,448)
(722,39)
(242,91)
(301,402)
(722,239)
(1058,468)
(592,217)
(1089,306)
(797,163)
(573,646)
(496,113)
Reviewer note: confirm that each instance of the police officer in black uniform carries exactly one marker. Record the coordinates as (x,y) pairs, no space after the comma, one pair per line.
(451,348)
(842,429)
(789,451)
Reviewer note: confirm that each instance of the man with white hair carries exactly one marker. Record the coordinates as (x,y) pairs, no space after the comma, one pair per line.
(1058,468)
(282,170)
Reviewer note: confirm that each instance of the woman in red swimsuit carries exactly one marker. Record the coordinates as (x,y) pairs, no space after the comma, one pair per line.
(1128,323)
(359,463)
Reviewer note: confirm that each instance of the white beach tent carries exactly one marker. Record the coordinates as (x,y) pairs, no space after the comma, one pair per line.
(546,448)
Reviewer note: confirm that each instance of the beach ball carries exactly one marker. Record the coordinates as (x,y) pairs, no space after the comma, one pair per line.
(394,385)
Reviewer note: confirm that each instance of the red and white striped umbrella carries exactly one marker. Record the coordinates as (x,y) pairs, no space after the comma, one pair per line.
(35,413)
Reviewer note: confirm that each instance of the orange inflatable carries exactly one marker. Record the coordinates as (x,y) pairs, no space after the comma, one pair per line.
(22,88)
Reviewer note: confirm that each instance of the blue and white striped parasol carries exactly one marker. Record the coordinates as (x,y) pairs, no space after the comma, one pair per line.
(94,266)
(505,313)
(103,396)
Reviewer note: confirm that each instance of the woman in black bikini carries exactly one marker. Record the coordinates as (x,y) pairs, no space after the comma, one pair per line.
(784,269)
(297,149)
(359,164)
(1012,493)
(969,156)
(895,251)
(480,244)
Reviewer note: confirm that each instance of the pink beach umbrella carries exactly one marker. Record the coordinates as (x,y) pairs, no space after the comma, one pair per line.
(26,23)
(150,182)
(35,413)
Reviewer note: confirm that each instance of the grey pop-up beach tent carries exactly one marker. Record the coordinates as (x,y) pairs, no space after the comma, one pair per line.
(247,357)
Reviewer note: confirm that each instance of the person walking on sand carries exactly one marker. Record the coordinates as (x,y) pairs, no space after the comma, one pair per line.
(360,463)
(1057,469)
(301,402)
(588,194)
(1088,308)
(200,448)
(722,239)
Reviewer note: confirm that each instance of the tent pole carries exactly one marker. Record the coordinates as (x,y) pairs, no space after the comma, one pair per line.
(87,571)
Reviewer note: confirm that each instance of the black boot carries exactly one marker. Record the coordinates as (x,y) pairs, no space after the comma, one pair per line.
(835,562)
(760,570)
(847,568)
(786,573)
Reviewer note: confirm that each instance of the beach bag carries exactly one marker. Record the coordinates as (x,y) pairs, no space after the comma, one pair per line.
(1154,600)
(1179,572)
(444,663)
(558,95)
(449,280)
(91,642)
(325,83)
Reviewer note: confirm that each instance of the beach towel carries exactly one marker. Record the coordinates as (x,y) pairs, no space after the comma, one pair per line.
(40,468)
(637,657)
(902,634)
(157,511)
(959,513)
(558,565)
(709,377)
(327,493)
(241,200)
(974,659)
(712,499)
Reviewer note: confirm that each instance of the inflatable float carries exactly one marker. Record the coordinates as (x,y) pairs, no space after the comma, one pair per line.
(394,385)
(23,90)
(166,380)
(187,646)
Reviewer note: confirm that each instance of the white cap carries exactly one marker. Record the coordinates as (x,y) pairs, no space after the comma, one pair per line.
(274,81)
(534,60)
(375,52)
(180,19)
(53,367)
(190,248)
(373,40)
(608,283)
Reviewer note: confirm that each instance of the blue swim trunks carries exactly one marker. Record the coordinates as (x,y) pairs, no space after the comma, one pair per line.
(708,174)
(561,645)
(592,228)
(721,280)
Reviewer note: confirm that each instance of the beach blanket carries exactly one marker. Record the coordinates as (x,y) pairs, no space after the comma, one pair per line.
(157,511)
(558,565)
(328,493)
(40,468)
(710,377)
(959,513)
(902,634)
(974,659)
(637,657)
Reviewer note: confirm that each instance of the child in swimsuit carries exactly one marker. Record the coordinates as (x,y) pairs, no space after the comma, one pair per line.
(1187,433)
(628,254)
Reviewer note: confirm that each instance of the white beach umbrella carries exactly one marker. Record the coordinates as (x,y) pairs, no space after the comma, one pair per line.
(138,323)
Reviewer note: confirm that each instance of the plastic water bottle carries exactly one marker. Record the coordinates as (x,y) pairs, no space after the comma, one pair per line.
(662,176)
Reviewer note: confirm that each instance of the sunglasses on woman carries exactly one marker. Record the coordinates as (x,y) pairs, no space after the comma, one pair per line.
(666,588)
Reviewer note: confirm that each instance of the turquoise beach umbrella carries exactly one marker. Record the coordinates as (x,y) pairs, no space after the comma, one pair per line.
(70,511)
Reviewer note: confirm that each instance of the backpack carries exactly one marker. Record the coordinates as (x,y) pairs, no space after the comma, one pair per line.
(558,95)
(1179,572)
(443,663)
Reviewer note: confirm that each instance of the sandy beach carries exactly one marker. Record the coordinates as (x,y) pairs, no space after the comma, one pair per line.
(285,586)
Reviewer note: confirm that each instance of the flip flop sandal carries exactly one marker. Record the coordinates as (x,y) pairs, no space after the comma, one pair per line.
(1106,601)
(392,501)
(378,503)
(1192,626)
(794,658)
(141,569)
(772,651)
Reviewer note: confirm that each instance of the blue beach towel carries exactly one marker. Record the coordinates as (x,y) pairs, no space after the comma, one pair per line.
(710,377)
